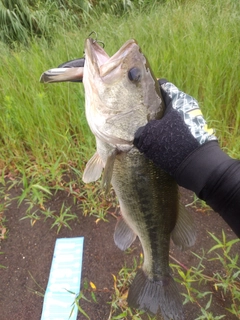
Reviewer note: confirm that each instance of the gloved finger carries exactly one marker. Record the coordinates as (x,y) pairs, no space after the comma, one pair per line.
(162,81)
(165,95)
(138,137)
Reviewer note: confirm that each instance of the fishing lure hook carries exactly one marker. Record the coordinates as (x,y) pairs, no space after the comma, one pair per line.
(96,39)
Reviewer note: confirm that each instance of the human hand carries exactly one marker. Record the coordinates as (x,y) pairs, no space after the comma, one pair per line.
(183,129)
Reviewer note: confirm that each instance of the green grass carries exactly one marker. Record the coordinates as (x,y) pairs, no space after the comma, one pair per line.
(40,136)
(4,203)
(225,279)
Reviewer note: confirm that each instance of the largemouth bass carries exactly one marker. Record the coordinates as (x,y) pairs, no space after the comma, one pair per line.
(121,95)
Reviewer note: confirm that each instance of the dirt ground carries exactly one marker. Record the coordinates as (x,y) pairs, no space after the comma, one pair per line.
(28,251)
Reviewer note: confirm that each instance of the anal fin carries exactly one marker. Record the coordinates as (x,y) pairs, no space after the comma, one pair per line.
(184,233)
(123,235)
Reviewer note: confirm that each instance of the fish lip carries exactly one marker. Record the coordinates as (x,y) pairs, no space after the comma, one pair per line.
(95,54)
(100,60)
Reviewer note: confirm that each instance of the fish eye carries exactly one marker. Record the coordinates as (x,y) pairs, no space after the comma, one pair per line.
(134,74)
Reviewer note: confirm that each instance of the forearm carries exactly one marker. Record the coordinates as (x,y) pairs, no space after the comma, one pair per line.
(215,178)
(222,193)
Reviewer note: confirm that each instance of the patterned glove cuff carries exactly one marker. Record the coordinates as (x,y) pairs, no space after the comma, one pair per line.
(189,109)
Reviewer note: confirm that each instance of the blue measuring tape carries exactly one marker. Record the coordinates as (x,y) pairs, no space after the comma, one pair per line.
(64,280)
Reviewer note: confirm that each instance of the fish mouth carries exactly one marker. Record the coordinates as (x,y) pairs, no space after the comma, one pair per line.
(100,61)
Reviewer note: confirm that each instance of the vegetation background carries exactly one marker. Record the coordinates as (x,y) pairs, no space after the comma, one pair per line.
(44,135)
(194,44)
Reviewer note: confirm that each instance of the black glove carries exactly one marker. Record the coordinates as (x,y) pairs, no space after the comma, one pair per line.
(180,143)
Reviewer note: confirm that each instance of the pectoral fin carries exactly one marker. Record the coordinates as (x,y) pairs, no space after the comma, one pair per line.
(108,171)
(123,235)
(184,233)
(93,169)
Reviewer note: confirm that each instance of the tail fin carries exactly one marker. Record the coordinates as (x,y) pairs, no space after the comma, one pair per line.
(157,297)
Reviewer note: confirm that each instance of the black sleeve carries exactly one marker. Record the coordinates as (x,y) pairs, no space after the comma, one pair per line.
(222,193)
(215,178)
